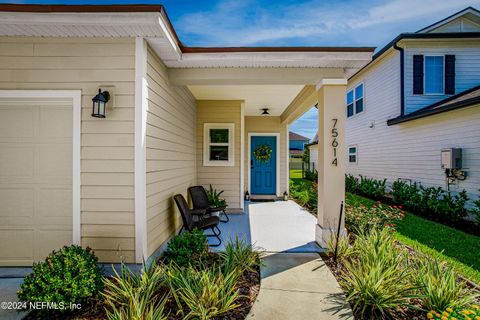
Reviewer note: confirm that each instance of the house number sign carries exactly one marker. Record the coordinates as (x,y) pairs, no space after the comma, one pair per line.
(334,141)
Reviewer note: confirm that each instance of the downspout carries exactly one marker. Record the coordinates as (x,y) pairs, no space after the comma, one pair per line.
(402,77)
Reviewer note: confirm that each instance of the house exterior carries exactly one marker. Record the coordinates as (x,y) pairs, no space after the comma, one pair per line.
(177,116)
(419,96)
(296,144)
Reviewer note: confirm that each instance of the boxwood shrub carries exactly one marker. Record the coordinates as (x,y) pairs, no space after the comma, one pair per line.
(68,276)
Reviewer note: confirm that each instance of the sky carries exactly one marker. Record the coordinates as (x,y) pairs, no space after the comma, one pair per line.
(294,23)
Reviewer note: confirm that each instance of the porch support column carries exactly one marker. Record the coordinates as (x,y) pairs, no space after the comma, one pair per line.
(331,158)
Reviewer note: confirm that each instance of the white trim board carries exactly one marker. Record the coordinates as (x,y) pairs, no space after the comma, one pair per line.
(141,106)
(249,154)
(75,96)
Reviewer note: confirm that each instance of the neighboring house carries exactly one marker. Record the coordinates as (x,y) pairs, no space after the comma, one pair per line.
(313,150)
(419,96)
(296,144)
(177,116)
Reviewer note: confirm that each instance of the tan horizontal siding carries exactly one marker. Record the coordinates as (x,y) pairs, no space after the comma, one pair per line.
(221,178)
(170,154)
(107,144)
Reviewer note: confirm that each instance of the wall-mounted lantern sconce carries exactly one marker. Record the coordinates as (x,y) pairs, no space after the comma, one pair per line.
(99,103)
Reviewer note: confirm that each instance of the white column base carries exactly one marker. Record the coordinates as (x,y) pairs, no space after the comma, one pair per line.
(325,235)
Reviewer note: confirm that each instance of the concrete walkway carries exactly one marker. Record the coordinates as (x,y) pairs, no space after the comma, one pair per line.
(298,286)
(295,282)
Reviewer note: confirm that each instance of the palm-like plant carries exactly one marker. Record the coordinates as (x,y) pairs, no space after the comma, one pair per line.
(135,296)
(206,293)
(240,256)
(440,288)
(214,198)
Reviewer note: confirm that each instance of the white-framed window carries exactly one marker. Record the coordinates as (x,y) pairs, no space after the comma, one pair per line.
(434,71)
(352,154)
(355,100)
(218,144)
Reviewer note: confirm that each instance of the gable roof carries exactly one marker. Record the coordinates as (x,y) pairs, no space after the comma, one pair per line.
(463,99)
(469,13)
(426,34)
(296,136)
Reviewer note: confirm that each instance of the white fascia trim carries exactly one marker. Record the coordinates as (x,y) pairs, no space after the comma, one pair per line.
(81,18)
(267,134)
(242,154)
(331,82)
(141,107)
(75,96)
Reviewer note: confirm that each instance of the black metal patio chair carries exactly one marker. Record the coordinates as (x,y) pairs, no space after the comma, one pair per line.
(200,201)
(203,224)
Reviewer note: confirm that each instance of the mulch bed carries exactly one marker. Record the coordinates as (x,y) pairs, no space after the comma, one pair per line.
(93,309)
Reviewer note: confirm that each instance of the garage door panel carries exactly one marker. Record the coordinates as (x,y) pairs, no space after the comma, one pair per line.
(49,240)
(16,122)
(16,161)
(55,122)
(35,180)
(54,203)
(17,244)
(17,202)
(55,160)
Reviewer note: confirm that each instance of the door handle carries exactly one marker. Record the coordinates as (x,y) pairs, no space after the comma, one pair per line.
(251,164)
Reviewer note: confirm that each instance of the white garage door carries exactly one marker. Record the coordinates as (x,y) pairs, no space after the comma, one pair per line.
(35,179)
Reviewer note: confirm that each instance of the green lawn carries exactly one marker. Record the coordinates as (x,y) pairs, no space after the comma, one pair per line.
(461,250)
(295,174)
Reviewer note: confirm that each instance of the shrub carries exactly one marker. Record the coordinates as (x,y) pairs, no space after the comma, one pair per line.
(240,256)
(344,249)
(402,192)
(311,175)
(351,183)
(372,188)
(187,248)
(376,279)
(135,296)
(439,288)
(360,218)
(214,198)
(476,211)
(68,276)
(203,294)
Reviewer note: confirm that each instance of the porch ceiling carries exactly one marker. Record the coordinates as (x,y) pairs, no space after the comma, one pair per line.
(274,97)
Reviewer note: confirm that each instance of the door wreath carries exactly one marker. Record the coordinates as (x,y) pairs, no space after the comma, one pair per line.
(262,153)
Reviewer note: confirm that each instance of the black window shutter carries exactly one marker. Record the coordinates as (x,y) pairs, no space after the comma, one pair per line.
(450,74)
(418,74)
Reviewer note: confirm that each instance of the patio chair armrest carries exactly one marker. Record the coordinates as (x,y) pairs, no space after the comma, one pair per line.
(198,212)
(215,209)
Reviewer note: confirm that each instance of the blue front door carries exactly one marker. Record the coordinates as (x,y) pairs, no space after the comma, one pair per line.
(263,173)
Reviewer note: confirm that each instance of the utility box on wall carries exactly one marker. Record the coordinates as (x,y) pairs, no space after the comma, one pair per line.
(451,158)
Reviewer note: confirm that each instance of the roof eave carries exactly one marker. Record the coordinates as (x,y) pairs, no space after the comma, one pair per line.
(430,112)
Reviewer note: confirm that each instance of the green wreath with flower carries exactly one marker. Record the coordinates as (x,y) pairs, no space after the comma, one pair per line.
(262,153)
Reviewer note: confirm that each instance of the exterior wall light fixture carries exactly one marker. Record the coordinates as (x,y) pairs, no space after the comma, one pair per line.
(99,103)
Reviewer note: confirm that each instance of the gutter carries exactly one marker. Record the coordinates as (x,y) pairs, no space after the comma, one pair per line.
(425,113)
(402,77)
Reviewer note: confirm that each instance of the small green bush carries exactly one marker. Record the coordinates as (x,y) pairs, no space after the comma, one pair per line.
(438,286)
(476,211)
(135,296)
(203,294)
(372,188)
(351,183)
(311,175)
(68,276)
(187,248)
